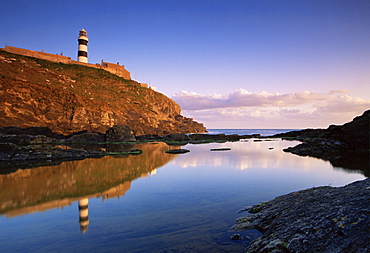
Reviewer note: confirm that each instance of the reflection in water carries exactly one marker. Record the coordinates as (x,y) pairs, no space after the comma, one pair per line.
(251,154)
(40,189)
(83,208)
(189,206)
(242,156)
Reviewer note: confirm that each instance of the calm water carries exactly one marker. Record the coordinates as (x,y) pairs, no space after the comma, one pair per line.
(262,132)
(154,202)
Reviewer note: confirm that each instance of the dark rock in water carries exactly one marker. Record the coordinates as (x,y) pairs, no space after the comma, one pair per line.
(86,137)
(177,137)
(195,138)
(220,149)
(135,151)
(119,133)
(149,137)
(236,237)
(44,152)
(177,151)
(321,219)
(208,137)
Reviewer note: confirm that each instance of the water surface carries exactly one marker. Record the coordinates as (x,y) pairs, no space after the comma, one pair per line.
(154,202)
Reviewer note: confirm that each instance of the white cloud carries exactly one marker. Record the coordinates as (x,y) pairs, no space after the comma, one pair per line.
(244,98)
(245,109)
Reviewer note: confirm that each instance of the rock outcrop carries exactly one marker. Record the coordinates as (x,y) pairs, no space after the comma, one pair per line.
(347,145)
(321,219)
(354,135)
(71,98)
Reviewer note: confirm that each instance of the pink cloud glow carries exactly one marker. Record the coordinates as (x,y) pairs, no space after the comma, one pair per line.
(244,109)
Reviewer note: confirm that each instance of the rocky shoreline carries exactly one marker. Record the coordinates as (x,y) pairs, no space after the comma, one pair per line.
(320,219)
(344,146)
(23,147)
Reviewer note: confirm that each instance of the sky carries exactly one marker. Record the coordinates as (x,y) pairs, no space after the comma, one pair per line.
(228,63)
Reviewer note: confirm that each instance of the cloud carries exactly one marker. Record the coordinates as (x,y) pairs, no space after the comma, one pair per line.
(244,98)
(244,109)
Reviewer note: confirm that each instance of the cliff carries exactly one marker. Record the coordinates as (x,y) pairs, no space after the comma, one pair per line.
(69,98)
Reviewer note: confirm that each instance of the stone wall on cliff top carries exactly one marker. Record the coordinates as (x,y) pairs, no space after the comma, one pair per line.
(116,69)
(70,98)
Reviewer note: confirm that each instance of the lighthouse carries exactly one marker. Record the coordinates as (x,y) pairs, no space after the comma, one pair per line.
(82,46)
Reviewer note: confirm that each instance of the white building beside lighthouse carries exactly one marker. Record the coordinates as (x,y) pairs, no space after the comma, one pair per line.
(82,46)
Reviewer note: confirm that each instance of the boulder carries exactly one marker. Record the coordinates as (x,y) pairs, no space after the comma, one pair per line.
(177,137)
(119,133)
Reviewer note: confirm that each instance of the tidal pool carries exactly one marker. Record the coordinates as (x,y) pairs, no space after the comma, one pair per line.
(153,202)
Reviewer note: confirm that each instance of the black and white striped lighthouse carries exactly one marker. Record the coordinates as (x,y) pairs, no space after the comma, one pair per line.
(82,46)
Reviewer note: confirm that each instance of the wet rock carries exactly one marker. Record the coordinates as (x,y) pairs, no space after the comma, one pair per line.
(29,131)
(177,151)
(119,133)
(177,137)
(321,219)
(135,151)
(7,150)
(42,152)
(196,137)
(7,147)
(86,137)
(220,149)
(149,137)
(236,237)
(25,139)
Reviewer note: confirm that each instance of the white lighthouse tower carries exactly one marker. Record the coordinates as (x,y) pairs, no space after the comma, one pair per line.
(82,46)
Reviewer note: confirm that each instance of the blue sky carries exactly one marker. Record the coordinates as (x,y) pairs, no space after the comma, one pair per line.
(228,63)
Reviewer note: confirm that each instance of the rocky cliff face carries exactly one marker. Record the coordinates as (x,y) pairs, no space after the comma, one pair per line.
(70,98)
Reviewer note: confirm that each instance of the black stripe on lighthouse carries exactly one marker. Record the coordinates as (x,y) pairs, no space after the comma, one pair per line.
(82,42)
(82,53)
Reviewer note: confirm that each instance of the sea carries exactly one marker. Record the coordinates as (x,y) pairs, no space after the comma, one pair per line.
(262,132)
(155,201)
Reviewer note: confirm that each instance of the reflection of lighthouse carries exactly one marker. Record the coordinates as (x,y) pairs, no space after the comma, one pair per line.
(82,46)
(83,207)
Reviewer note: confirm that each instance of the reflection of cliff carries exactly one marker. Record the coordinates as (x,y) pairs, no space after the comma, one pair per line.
(33,190)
